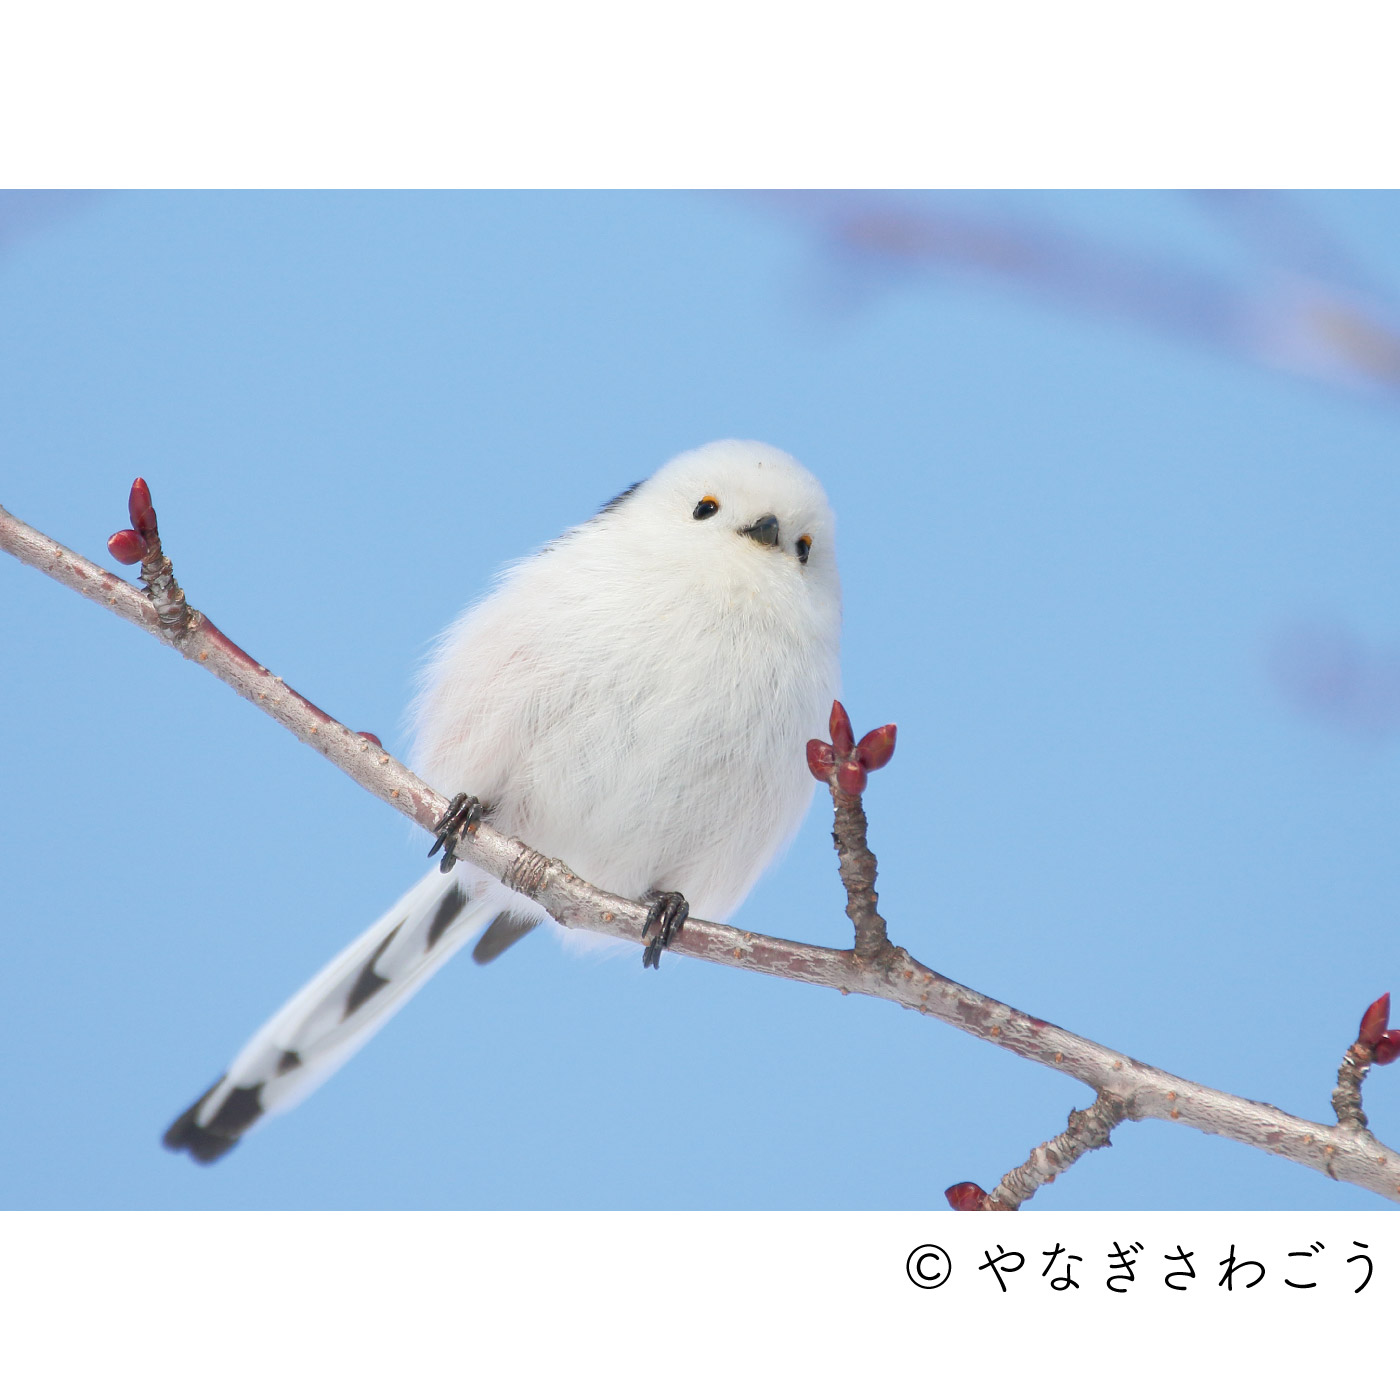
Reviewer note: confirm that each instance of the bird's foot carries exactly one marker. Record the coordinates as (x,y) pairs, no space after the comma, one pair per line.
(668,911)
(463,813)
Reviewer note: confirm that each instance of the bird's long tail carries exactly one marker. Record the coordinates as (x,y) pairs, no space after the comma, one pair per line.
(342,1006)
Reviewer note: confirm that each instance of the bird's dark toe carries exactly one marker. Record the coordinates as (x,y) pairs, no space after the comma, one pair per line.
(668,913)
(463,813)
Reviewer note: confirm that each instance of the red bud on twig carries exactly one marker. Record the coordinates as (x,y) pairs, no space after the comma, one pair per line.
(820,760)
(127,547)
(1374,1022)
(843,738)
(877,748)
(139,507)
(373,738)
(966,1195)
(844,759)
(850,778)
(1387,1048)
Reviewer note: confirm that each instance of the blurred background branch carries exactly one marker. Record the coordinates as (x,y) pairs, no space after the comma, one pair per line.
(1305,306)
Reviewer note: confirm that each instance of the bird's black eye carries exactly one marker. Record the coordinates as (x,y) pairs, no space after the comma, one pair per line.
(804,548)
(707,507)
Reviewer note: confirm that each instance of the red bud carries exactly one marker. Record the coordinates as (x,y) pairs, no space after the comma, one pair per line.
(877,748)
(1387,1048)
(966,1195)
(373,738)
(139,507)
(1374,1022)
(127,547)
(850,778)
(843,738)
(820,760)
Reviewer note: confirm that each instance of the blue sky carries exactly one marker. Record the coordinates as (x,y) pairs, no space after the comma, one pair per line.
(1100,575)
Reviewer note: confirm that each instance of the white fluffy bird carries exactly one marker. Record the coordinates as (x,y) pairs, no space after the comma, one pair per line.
(635,699)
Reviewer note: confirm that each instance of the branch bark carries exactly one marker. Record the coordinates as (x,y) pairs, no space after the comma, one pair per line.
(857,865)
(1345,1152)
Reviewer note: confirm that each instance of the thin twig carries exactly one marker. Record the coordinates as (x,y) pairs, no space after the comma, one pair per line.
(1346,1097)
(1146,1092)
(1088,1130)
(844,766)
(858,871)
(167,597)
(1375,1044)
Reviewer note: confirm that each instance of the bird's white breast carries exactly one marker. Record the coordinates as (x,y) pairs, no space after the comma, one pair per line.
(643,723)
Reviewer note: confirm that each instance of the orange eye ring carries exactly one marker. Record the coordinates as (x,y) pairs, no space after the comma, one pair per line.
(804,548)
(706,508)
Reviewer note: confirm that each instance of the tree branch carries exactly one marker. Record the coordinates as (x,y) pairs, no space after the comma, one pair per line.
(1346,1152)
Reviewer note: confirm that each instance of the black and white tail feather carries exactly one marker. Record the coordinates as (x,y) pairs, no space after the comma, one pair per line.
(350,999)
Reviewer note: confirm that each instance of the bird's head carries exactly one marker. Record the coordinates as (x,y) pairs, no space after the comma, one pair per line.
(740,516)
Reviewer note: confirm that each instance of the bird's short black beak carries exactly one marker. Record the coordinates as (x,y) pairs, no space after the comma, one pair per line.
(764,530)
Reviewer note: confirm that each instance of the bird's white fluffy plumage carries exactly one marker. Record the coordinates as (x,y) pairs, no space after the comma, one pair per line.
(634,699)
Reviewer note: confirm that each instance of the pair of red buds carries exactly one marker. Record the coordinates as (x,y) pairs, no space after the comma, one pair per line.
(1383,1044)
(129,546)
(848,760)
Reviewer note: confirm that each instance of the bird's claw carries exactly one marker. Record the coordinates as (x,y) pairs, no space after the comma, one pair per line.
(669,910)
(463,813)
